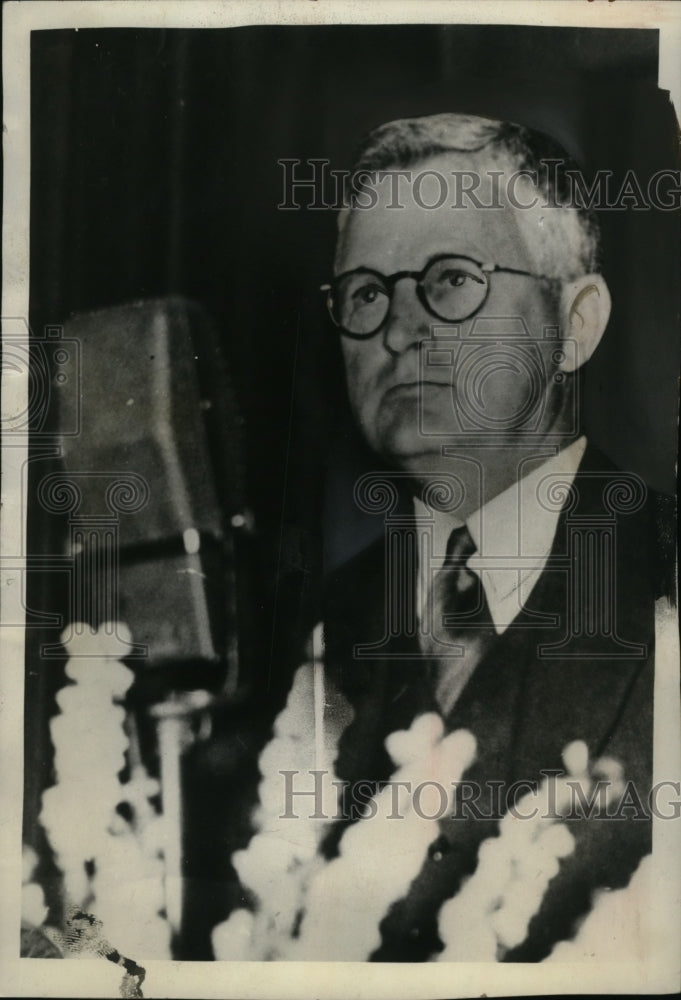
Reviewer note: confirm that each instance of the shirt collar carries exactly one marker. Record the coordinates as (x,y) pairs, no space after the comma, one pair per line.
(513,535)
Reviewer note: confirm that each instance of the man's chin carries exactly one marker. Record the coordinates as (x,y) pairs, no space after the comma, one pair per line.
(405,448)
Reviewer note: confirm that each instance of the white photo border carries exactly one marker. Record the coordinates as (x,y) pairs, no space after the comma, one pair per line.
(98,978)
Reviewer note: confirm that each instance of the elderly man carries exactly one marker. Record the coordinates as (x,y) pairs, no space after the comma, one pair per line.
(500,635)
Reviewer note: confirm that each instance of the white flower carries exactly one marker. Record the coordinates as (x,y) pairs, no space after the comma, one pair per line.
(108,865)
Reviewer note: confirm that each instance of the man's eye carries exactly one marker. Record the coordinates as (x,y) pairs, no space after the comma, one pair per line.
(455,279)
(367,294)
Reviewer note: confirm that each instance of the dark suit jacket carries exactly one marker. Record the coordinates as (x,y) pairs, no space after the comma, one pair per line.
(522,704)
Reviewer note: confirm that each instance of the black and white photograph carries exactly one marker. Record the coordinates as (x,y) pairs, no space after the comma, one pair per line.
(341,355)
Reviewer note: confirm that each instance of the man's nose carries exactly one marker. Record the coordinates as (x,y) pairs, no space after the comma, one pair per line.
(408,322)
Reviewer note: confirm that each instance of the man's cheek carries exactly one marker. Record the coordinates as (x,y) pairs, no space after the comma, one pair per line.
(351,362)
(357,381)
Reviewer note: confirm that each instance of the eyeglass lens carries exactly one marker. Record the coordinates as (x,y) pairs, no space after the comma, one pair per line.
(452,287)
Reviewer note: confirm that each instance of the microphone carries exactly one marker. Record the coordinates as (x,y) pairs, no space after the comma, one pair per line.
(160,530)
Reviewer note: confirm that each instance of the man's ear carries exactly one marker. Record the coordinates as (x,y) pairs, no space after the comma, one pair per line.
(585,311)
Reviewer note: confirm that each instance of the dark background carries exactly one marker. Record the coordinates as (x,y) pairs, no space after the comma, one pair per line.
(154,172)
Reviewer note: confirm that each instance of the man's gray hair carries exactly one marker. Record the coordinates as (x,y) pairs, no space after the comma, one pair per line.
(498,145)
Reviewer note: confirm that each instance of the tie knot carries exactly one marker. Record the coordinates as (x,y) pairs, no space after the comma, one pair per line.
(460,545)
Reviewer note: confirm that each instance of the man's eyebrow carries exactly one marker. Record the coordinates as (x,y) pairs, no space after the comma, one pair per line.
(454,248)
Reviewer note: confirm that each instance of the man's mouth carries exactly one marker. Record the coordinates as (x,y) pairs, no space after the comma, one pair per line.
(416,386)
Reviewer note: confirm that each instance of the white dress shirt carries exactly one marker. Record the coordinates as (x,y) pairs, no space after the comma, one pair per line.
(513,535)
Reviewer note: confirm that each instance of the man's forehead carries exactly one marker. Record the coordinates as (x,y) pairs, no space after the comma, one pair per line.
(450,202)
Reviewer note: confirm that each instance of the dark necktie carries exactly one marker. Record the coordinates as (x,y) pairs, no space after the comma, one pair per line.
(458,624)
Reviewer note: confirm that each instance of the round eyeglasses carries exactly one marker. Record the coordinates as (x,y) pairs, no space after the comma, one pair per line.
(451,287)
